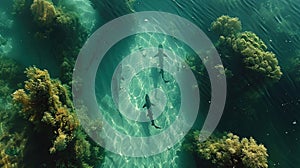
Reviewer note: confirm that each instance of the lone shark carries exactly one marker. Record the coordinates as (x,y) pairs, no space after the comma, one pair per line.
(148,104)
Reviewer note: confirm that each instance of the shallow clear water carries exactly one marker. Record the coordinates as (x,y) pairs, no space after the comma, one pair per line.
(274,115)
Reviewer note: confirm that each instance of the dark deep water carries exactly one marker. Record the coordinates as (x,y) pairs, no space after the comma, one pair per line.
(270,114)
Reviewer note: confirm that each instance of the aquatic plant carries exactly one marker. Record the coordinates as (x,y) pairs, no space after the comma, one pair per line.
(12,143)
(5,91)
(67,70)
(43,12)
(11,150)
(66,20)
(247,47)
(9,70)
(60,26)
(231,151)
(45,103)
(57,27)
(18,6)
(196,64)
(46,14)
(226,25)
(84,12)
(255,56)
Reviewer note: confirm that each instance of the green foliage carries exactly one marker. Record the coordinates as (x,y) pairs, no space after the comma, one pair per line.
(9,69)
(67,70)
(231,151)
(5,90)
(255,56)
(55,27)
(247,47)
(196,64)
(18,6)
(11,150)
(45,103)
(226,26)
(49,16)
(248,39)
(12,143)
(43,12)
(61,29)
(66,20)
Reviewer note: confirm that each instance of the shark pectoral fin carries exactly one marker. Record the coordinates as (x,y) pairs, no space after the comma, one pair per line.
(144,105)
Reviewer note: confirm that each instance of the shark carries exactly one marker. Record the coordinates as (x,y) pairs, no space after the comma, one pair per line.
(161,56)
(148,105)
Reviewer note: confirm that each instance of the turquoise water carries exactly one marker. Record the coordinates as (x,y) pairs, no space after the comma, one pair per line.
(269,113)
(164,97)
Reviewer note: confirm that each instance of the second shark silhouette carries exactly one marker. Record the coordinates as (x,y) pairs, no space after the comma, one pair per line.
(148,104)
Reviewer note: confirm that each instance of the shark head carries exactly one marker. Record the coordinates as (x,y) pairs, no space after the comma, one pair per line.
(160,48)
(147,97)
